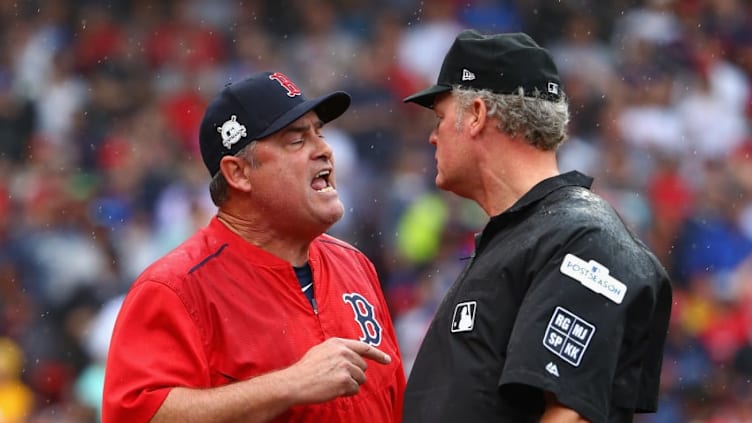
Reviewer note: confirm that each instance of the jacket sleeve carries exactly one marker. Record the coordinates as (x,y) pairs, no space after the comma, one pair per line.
(155,346)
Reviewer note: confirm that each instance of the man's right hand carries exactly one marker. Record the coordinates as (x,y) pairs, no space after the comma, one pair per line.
(334,368)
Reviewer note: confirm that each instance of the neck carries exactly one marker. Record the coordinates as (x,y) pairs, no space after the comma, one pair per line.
(265,236)
(512,171)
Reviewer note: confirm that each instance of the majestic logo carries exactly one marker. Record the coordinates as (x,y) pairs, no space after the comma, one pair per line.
(231,132)
(364,316)
(286,83)
(552,368)
(593,276)
(568,336)
(464,317)
(467,75)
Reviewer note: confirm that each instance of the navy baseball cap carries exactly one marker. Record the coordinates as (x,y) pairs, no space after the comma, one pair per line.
(255,108)
(501,63)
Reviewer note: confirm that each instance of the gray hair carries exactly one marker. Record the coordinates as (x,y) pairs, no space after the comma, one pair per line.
(541,122)
(219,189)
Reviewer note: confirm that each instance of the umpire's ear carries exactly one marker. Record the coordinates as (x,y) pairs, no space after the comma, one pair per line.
(477,116)
(237,172)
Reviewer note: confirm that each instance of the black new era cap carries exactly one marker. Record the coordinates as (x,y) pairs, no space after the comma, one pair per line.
(501,63)
(255,108)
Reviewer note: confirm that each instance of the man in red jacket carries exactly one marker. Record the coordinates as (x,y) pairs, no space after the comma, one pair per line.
(259,316)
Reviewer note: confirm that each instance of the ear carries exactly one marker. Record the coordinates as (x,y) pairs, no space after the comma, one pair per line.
(478,115)
(237,172)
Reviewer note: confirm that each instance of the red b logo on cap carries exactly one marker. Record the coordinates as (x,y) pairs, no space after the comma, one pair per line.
(286,83)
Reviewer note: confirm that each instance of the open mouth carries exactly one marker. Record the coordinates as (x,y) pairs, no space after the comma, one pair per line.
(321,182)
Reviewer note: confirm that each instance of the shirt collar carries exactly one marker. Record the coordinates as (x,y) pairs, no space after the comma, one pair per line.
(549,185)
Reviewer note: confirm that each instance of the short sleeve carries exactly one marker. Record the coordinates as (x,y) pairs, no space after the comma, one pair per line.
(155,346)
(576,322)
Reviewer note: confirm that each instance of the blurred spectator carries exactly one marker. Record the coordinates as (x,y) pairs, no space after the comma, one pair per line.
(63,99)
(427,38)
(671,200)
(649,22)
(491,16)
(89,385)
(712,105)
(711,243)
(33,40)
(101,37)
(581,55)
(321,54)
(17,121)
(376,107)
(16,398)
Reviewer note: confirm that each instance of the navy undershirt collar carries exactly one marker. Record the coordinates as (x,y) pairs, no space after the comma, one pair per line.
(305,278)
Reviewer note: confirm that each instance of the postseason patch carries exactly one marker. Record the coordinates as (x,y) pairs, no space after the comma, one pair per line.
(568,336)
(593,276)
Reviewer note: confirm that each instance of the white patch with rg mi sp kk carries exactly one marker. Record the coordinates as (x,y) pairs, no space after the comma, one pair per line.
(568,336)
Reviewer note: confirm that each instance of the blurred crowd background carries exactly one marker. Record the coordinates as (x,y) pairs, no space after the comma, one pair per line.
(100,174)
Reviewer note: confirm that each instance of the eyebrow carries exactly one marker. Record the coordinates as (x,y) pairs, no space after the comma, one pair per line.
(304,127)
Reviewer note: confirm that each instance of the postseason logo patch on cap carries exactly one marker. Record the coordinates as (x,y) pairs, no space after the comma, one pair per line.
(231,132)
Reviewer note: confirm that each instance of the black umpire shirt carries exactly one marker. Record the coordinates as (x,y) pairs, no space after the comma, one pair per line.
(558,296)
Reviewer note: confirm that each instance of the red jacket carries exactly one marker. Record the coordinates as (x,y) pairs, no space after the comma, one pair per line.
(218,309)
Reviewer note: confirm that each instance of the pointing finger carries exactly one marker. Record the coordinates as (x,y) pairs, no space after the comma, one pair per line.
(368,351)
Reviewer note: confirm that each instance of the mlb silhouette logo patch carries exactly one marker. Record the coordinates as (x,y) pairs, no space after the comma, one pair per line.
(464,317)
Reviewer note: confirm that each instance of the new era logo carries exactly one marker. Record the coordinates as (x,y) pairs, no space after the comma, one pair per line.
(553,88)
(467,75)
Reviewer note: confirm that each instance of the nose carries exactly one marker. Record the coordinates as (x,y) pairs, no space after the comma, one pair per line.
(323,149)
(432,137)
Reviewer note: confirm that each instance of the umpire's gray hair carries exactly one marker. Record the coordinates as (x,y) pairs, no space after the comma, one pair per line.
(219,189)
(541,122)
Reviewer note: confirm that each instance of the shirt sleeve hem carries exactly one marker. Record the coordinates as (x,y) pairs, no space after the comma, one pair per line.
(567,397)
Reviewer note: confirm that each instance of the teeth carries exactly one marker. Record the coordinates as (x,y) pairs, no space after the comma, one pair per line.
(324,174)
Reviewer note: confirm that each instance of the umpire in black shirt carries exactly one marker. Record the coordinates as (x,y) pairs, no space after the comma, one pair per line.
(561,313)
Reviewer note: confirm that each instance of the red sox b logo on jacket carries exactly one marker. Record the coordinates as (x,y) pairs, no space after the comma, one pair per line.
(286,83)
(365,317)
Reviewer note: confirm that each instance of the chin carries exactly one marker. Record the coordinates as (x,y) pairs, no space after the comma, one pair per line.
(334,215)
(441,183)
(337,216)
